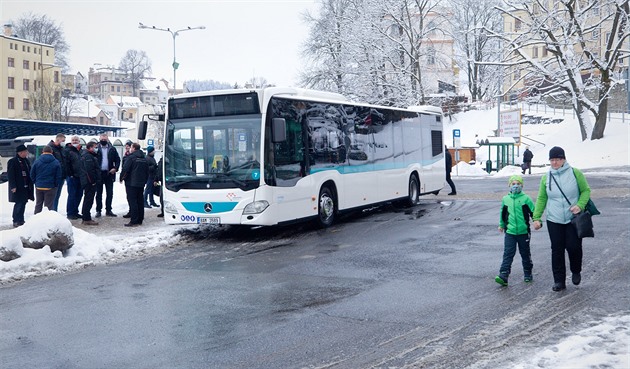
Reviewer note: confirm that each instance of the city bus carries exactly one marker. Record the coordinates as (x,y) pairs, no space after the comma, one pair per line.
(276,155)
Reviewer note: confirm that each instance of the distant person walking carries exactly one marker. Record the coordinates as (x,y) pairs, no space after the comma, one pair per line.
(90,179)
(20,184)
(135,173)
(148,190)
(160,182)
(58,147)
(46,175)
(449,167)
(527,160)
(516,211)
(74,168)
(562,178)
(109,162)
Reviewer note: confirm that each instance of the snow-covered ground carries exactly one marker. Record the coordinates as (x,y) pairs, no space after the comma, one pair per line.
(604,344)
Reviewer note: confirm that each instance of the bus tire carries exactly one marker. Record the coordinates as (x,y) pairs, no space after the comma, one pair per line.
(413,196)
(325,207)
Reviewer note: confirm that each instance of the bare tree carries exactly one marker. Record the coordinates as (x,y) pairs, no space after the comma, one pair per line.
(40,28)
(69,105)
(137,65)
(469,21)
(47,101)
(570,31)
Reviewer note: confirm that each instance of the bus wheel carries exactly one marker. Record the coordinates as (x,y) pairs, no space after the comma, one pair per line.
(326,208)
(414,191)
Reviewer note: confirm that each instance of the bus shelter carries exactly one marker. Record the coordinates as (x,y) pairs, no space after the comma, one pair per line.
(500,148)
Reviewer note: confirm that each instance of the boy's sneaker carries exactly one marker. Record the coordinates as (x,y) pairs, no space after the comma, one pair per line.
(501,281)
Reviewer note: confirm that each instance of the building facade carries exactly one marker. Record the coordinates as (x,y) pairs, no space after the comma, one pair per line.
(31,83)
(106,81)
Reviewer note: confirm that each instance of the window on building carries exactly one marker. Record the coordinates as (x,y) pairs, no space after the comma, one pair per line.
(431,56)
(100,121)
(25,64)
(23,48)
(25,105)
(595,34)
(11,62)
(11,83)
(28,49)
(56,76)
(25,84)
(517,74)
(545,52)
(47,52)
(11,103)
(130,116)
(535,52)
(517,24)
(112,88)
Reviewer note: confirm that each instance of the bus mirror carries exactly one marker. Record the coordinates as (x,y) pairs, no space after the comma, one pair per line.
(278,130)
(142,129)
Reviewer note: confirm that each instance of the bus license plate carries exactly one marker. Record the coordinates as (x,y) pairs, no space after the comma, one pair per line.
(208,220)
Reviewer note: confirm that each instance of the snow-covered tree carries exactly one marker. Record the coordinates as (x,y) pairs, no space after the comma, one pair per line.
(469,21)
(206,85)
(568,48)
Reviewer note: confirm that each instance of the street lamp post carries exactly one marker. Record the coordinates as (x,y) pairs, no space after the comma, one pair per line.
(174,34)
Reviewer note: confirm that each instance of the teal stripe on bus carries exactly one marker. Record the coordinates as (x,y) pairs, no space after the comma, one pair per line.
(217,207)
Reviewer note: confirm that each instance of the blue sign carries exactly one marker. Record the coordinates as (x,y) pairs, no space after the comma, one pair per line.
(150,142)
(456,133)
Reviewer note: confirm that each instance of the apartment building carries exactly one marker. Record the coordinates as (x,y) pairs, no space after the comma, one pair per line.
(536,50)
(108,80)
(28,75)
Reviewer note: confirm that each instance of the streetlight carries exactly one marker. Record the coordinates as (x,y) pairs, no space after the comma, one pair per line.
(174,34)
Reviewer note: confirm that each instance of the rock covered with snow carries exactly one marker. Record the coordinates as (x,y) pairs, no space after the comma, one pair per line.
(11,246)
(47,228)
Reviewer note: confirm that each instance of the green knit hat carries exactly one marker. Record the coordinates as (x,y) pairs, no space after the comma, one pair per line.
(515,177)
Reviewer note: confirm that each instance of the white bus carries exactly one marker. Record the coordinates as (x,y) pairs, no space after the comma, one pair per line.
(276,155)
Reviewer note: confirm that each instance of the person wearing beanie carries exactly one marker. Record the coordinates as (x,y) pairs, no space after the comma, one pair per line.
(516,211)
(562,180)
(149,201)
(20,184)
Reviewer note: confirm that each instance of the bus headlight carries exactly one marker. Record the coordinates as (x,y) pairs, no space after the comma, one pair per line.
(169,207)
(256,207)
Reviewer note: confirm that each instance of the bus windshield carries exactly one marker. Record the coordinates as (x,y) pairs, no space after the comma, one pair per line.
(213,153)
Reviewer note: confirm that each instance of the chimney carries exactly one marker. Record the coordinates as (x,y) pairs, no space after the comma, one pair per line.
(8,30)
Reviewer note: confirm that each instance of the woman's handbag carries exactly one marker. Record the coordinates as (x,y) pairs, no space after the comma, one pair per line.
(583,224)
(581,221)
(157,188)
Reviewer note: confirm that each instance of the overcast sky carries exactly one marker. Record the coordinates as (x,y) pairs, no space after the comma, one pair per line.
(243,38)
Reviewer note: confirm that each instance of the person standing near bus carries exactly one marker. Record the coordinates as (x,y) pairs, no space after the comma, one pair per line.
(57,146)
(47,177)
(90,178)
(135,173)
(449,166)
(149,201)
(20,184)
(109,162)
(74,169)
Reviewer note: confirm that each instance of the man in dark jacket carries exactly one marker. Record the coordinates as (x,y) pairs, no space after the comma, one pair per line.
(20,184)
(109,162)
(46,175)
(57,146)
(135,173)
(527,160)
(148,190)
(449,166)
(73,179)
(90,178)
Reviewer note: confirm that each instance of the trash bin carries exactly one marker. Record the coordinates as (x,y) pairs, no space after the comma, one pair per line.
(488,166)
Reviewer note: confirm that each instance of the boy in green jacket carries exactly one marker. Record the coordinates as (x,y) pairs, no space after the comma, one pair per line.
(516,211)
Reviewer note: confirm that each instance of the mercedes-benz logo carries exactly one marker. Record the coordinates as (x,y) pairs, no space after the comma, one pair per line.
(207,207)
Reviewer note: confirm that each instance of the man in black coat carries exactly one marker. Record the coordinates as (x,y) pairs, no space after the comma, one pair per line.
(109,162)
(57,146)
(74,168)
(527,160)
(90,178)
(20,184)
(135,173)
(449,166)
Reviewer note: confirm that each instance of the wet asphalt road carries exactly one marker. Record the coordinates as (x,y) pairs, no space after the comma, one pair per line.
(383,288)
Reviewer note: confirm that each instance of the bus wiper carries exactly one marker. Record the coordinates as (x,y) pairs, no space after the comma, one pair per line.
(225,178)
